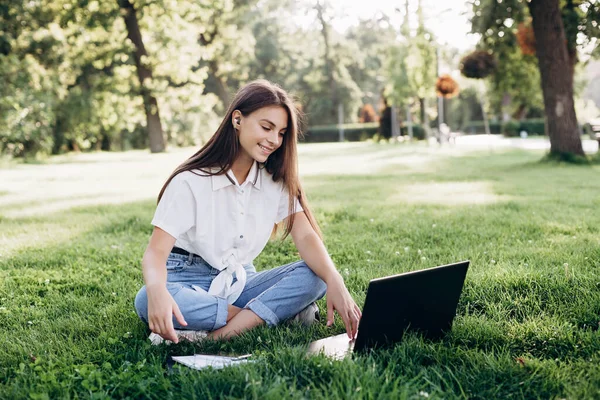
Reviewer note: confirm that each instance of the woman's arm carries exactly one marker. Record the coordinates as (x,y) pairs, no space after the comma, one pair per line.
(161,305)
(313,252)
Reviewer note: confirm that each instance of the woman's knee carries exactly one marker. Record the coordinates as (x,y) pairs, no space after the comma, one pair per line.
(141,304)
(313,283)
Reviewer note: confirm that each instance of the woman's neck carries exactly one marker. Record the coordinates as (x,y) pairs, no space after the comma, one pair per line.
(241,168)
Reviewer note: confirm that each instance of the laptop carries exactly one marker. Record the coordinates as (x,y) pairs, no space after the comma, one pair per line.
(423,301)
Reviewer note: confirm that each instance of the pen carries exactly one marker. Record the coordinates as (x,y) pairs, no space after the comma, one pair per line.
(241,357)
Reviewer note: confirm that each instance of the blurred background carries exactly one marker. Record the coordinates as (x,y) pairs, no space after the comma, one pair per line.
(87,75)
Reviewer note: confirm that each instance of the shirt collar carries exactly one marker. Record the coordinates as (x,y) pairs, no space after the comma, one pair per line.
(224,180)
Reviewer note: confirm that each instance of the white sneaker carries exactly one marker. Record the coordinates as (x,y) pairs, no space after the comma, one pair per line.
(190,336)
(308,316)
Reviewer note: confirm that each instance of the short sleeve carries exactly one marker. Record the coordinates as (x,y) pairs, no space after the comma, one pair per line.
(283,212)
(176,210)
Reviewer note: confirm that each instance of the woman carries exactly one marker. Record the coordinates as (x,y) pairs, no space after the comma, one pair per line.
(216,213)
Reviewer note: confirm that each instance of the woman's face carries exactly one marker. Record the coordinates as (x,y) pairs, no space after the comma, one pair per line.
(261,132)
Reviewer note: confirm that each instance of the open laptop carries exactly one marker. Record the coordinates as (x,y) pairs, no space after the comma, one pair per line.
(423,301)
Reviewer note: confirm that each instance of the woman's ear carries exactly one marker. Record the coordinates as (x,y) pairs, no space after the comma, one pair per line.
(236,119)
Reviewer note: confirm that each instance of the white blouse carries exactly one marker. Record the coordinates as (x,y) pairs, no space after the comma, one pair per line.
(225,223)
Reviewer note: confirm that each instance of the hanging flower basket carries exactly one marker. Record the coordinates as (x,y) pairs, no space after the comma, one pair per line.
(478,64)
(446,87)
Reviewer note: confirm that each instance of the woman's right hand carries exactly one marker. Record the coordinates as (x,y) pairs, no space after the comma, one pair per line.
(161,308)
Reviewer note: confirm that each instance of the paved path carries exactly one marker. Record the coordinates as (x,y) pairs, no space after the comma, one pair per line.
(543,143)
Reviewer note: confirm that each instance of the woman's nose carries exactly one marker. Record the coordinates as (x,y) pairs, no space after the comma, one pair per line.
(274,138)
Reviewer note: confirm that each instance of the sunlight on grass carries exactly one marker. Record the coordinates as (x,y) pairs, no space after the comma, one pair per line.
(37,235)
(372,158)
(449,194)
(85,179)
(114,178)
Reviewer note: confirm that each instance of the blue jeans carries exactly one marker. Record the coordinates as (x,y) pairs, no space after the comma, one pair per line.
(274,295)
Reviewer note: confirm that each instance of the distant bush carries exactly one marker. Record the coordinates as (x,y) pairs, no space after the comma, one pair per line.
(478,127)
(511,129)
(418,131)
(354,132)
(533,126)
(330,133)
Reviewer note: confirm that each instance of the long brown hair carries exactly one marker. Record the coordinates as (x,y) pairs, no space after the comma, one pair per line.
(223,147)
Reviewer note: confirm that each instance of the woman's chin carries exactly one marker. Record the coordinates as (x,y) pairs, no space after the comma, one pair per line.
(261,157)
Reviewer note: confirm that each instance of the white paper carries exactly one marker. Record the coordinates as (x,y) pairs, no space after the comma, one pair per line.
(200,361)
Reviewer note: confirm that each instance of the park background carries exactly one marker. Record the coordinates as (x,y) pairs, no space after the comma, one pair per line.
(71,69)
(100,101)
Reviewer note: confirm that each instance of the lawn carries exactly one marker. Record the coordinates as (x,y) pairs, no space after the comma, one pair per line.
(73,230)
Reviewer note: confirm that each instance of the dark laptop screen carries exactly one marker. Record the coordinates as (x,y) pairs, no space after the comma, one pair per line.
(424,301)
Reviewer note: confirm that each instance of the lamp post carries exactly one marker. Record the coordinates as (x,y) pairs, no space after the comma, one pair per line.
(440,98)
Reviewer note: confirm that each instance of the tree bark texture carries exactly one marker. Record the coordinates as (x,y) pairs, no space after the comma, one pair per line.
(155,132)
(557,78)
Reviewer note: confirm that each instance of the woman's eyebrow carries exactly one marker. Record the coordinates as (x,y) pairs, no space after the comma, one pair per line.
(272,124)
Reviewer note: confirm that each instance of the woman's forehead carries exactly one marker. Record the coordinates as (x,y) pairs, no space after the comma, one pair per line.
(275,114)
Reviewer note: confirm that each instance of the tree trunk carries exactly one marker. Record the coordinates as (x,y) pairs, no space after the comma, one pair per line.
(422,110)
(329,65)
(557,78)
(58,131)
(155,132)
(220,86)
(521,112)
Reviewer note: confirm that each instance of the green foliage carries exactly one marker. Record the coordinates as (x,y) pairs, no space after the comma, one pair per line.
(411,68)
(71,82)
(464,109)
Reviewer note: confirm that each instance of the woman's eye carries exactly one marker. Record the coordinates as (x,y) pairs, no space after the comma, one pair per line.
(281,133)
(266,129)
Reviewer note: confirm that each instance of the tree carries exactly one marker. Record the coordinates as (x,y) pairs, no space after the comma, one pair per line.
(556,69)
(69,64)
(560,24)
(321,11)
(144,72)
(411,68)
(372,38)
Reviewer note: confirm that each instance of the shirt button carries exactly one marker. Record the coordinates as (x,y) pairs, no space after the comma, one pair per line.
(242,213)
(241,236)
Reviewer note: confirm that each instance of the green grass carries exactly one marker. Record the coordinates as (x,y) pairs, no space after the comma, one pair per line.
(527,323)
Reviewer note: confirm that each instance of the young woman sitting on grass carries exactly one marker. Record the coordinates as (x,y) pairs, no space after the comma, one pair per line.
(216,213)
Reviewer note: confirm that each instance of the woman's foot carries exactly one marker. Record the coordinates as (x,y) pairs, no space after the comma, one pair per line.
(308,316)
(190,336)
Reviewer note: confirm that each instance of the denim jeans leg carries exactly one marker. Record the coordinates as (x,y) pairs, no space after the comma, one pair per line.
(280,293)
(200,310)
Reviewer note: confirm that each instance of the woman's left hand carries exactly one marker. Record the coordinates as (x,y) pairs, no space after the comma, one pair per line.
(340,300)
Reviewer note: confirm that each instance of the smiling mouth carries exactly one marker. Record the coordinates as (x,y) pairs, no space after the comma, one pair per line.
(265,148)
